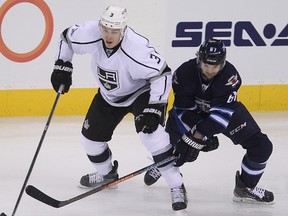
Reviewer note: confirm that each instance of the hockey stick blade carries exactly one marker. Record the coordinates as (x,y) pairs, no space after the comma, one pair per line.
(44,198)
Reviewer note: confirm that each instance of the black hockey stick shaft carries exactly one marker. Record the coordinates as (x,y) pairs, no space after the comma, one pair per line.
(42,197)
(37,150)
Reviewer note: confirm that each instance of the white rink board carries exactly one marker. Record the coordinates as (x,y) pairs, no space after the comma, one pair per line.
(23,27)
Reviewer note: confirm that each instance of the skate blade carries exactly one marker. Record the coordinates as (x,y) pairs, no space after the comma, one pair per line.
(251,201)
(89,188)
(181,213)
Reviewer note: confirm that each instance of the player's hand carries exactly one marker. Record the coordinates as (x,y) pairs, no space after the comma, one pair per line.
(62,74)
(211,144)
(150,118)
(188,148)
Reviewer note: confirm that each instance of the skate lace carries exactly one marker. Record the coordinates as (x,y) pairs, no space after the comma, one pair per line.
(95,177)
(155,173)
(260,192)
(178,195)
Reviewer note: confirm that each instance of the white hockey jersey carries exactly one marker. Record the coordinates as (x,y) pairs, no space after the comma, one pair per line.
(133,69)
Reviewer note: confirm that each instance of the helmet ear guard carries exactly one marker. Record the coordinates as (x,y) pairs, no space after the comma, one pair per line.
(212,51)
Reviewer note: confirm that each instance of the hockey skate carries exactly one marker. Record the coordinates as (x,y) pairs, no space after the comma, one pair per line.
(251,195)
(152,176)
(94,180)
(179,199)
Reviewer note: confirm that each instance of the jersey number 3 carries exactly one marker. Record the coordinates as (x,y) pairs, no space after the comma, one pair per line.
(152,56)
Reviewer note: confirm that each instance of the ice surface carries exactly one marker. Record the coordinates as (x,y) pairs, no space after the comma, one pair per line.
(62,161)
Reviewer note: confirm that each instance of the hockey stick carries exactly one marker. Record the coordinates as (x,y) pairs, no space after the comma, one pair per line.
(37,150)
(42,197)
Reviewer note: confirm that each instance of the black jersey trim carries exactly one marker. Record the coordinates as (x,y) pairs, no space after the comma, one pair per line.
(64,34)
(84,43)
(138,62)
(145,38)
(165,89)
(60,48)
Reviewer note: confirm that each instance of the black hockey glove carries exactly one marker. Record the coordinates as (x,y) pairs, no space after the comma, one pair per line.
(62,74)
(150,118)
(211,144)
(188,148)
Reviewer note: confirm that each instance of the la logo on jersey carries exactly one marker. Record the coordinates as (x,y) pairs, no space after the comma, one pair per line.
(109,79)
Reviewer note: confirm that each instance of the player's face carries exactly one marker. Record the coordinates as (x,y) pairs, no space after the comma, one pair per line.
(209,71)
(110,36)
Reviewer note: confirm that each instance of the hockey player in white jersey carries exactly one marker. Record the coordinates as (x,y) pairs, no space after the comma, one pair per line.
(132,78)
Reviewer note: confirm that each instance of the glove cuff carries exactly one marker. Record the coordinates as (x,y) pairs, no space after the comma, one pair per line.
(62,66)
(193,142)
(153,111)
(157,109)
(199,135)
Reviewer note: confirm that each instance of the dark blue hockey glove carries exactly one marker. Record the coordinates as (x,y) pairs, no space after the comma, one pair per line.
(187,149)
(211,144)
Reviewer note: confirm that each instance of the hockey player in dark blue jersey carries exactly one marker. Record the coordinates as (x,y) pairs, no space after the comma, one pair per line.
(205,91)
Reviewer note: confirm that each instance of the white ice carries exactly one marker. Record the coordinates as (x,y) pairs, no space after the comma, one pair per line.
(62,161)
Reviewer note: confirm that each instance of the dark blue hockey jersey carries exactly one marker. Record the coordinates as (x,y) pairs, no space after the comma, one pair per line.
(210,104)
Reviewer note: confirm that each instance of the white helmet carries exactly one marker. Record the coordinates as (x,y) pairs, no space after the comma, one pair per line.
(114,17)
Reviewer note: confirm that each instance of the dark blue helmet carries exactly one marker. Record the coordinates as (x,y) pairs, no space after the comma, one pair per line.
(212,51)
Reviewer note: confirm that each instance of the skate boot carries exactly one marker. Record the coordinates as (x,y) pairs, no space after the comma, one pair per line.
(94,180)
(251,195)
(179,199)
(152,176)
